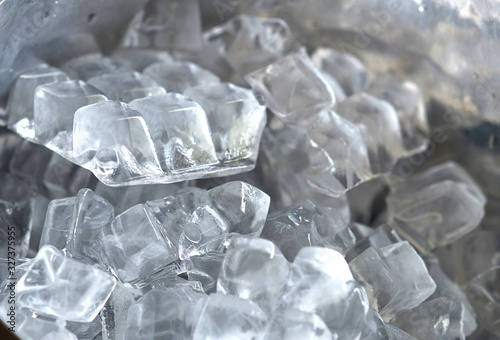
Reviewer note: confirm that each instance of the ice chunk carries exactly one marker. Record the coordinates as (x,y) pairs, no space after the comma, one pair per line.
(395,333)
(16,215)
(29,326)
(205,269)
(249,43)
(228,317)
(112,140)
(242,207)
(163,314)
(137,246)
(305,224)
(236,121)
(91,65)
(63,178)
(63,288)
(430,320)
(462,318)
(379,125)
(139,59)
(293,324)
(55,105)
(74,225)
(293,88)
(173,25)
(436,207)
(254,269)
(316,271)
(126,86)
(346,69)
(20,105)
(204,232)
(380,237)
(395,278)
(338,155)
(180,131)
(484,295)
(178,76)
(114,313)
(408,101)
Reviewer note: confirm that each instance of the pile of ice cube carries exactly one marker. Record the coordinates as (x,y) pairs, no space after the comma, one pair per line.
(183,230)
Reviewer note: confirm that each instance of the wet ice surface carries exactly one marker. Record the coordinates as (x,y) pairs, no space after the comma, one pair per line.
(323,240)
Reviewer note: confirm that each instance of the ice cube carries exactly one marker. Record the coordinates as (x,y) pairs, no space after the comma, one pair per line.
(126,86)
(20,105)
(394,276)
(63,288)
(293,88)
(178,76)
(180,131)
(254,269)
(112,140)
(55,105)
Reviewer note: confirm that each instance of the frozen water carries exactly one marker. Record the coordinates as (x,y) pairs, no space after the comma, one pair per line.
(483,294)
(241,206)
(379,125)
(436,207)
(430,320)
(462,317)
(203,232)
(408,101)
(180,131)
(293,88)
(163,314)
(205,269)
(316,271)
(338,154)
(126,86)
(139,59)
(91,65)
(344,68)
(228,317)
(178,76)
(254,269)
(293,324)
(248,43)
(173,25)
(55,105)
(113,141)
(236,121)
(74,225)
(135,245)
(394,276)
(305,224)
(63,288)
(20,104)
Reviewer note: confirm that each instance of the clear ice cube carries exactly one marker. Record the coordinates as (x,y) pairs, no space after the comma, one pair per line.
(394,277)
(436,207)
(345,68)
(227,317)
(180,131)
(236,121)
(74,225)
(293,88)
(178,76)
(113,140)
(126,86)
(254,269)
(55,105)
(20,104)
(137,246)
(63,288)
